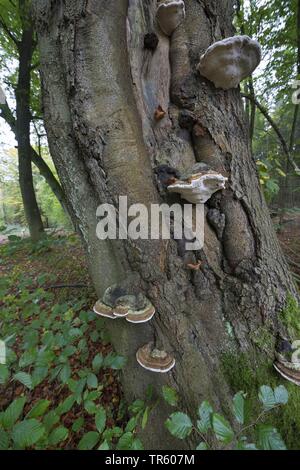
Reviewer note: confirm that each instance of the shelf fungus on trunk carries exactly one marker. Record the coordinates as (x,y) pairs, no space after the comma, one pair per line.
(154,360)
(104,310)
(288,373)
(199,187)
(169,15)
(117,302)
(226,63)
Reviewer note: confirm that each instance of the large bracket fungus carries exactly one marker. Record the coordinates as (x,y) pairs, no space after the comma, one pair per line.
(169,15)
(154,360)
(117,303)
(199,187)
(226,63)
(286,364)
(292,375)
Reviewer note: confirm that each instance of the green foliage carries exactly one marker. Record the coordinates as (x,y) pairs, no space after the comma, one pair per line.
(215,431)
(290,316)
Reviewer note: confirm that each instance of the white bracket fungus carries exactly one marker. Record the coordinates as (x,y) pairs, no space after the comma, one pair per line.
(199,187)
(288,373)
(169,15)
(226,63)
(154,360)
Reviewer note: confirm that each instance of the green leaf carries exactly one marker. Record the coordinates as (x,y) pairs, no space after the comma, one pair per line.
(131,425)
(267,397)
(180,425)
(281,395)
(13,412)
(113,361)
(244,445)
(125,441)
(4,374)
(104,446)
(24,379)
(27,433)
(77,425)
(4,440)
(137,445)
(100,419)
(205,412)
(50,420)
(202,446)
(66,405)
(170,395)
(58,435)
(65,373)
(145,417)
(97,363)
(239,407)
(90,407)
(137,406)
(92,381)
(88,441)
(222,428)
(38,409)
(269,438)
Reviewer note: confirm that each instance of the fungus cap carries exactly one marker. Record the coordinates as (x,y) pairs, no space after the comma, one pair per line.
(104,310)
(288,374)
(141,315)
(124,305)
(226,63)
(170,13)
(199,187)
(154,360)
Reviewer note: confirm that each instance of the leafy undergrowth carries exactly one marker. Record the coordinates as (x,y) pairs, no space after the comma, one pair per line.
(58,374)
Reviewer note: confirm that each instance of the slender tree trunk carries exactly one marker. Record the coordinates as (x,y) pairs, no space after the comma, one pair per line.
(32,213)
(101,89)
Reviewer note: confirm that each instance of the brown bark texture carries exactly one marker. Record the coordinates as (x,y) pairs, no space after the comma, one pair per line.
(101,88)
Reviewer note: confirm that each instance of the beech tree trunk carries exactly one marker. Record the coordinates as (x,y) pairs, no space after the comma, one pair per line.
(31,209)
(101,88)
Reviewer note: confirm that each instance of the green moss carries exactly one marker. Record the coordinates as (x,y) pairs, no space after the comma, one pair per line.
(264,339)
(290,317)
(242,375)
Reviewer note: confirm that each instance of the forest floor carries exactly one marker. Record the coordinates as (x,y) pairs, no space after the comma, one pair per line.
(61,375)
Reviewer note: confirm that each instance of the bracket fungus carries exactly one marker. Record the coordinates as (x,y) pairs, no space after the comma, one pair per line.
(199,187)
(226,63)
(169,15)
(104,310)
(117,303)
(292,375)
(154,360)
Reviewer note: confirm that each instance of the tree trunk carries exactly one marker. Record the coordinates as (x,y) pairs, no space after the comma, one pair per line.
(32,213)
(101,89)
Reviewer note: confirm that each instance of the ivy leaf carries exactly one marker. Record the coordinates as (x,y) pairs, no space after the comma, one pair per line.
(205,412)
(38,409)
(269,438)
(58,435)
(88,441)
(4,374)
(13,412)
(100,419)
(92,381)
(267,397)
(104,446)
(125,441)
(222,429)
(4,440)
(281,395)
(180,425)
(27,433)
(202,446)
(97,363)
(239,407)
(170,395)
(24,379)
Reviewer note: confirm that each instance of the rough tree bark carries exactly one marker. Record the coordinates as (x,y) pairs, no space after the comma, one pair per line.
(26,47)
(101,89)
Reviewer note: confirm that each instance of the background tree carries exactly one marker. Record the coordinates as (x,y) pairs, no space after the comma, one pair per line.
(101,88)
(17,40)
